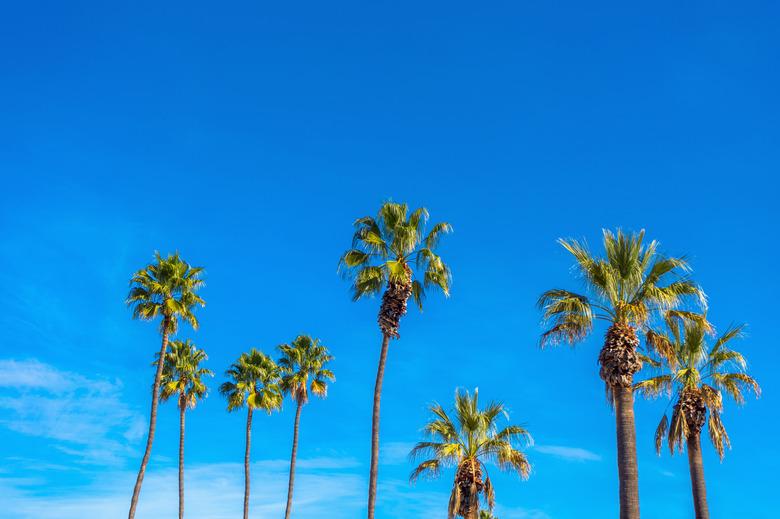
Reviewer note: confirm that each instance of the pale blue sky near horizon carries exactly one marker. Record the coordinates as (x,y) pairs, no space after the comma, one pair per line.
(250,137)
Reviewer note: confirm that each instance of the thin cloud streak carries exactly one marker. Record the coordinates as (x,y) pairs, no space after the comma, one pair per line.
(84,417)
(568,453)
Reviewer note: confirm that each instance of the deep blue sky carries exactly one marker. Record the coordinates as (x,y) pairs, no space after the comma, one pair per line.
(249,138)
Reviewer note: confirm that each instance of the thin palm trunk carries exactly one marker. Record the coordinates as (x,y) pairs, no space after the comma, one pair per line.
(696,467)
(246,461)
(182,409)
(290,484)
(380,373)
(628,472)
(152,423)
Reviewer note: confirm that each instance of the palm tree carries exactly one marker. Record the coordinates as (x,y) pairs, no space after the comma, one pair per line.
(697,375)
(625,288)
(183,377)
(167,289)
(466,443)
(486,514)
(391,252)
(303,370)
(254,382)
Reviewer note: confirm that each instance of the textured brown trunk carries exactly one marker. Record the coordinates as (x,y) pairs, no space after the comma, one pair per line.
(373,472)
(292,460)
(628,472)
(182,409)
(152,422)
(697,477)
(246,461)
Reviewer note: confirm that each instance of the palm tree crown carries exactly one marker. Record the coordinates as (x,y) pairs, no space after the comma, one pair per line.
(697,374)
(254,381)
(168,288)
(466,442)
(388,249)
(626,287)
(303,368)
(182,374)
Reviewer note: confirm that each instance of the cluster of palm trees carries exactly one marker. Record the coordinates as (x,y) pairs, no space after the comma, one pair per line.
(167,288)
(632,288)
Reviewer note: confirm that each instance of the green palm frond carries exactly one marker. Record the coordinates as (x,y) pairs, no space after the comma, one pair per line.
(471,434)
(167,287)
(630,284)
(690,364)
(254,381)
(182,374)
(391,246)
(303,368)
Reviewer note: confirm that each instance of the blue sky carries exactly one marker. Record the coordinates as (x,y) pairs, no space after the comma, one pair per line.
(249,138)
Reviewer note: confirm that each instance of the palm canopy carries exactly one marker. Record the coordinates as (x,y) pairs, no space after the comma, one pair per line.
(303,368)
(182,374)
(166,287)
(627,286)
(391,247)
(254,382)
(466,442)
(697,374)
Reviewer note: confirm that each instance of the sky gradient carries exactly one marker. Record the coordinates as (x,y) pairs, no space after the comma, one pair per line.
(249,139)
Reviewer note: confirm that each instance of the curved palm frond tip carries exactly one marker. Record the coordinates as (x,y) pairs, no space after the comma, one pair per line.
(466,442)
(303,372)
(166,288)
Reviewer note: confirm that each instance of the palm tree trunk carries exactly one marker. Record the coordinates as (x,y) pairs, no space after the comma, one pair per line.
(246,461)
(152,422)
(696,467)
(292,460)
(626,443)
(182,409)
(372,477)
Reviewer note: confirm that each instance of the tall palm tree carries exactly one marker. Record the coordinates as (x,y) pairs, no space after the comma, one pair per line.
(254,382)
(625,289)
(167,289)
(391,252)
(466,443)
(696,374)
(303,371)
(183,378)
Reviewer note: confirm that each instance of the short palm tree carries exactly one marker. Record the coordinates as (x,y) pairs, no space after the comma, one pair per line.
(183,378)
(625,289)
(166,288)
(391,252)
(303,371)
(254,383)
(466,443)
(697,375)
(486,514)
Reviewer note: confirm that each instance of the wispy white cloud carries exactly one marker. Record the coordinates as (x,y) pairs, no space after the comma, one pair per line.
(85,417)
(212,491)
(568,453)
(395,453)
